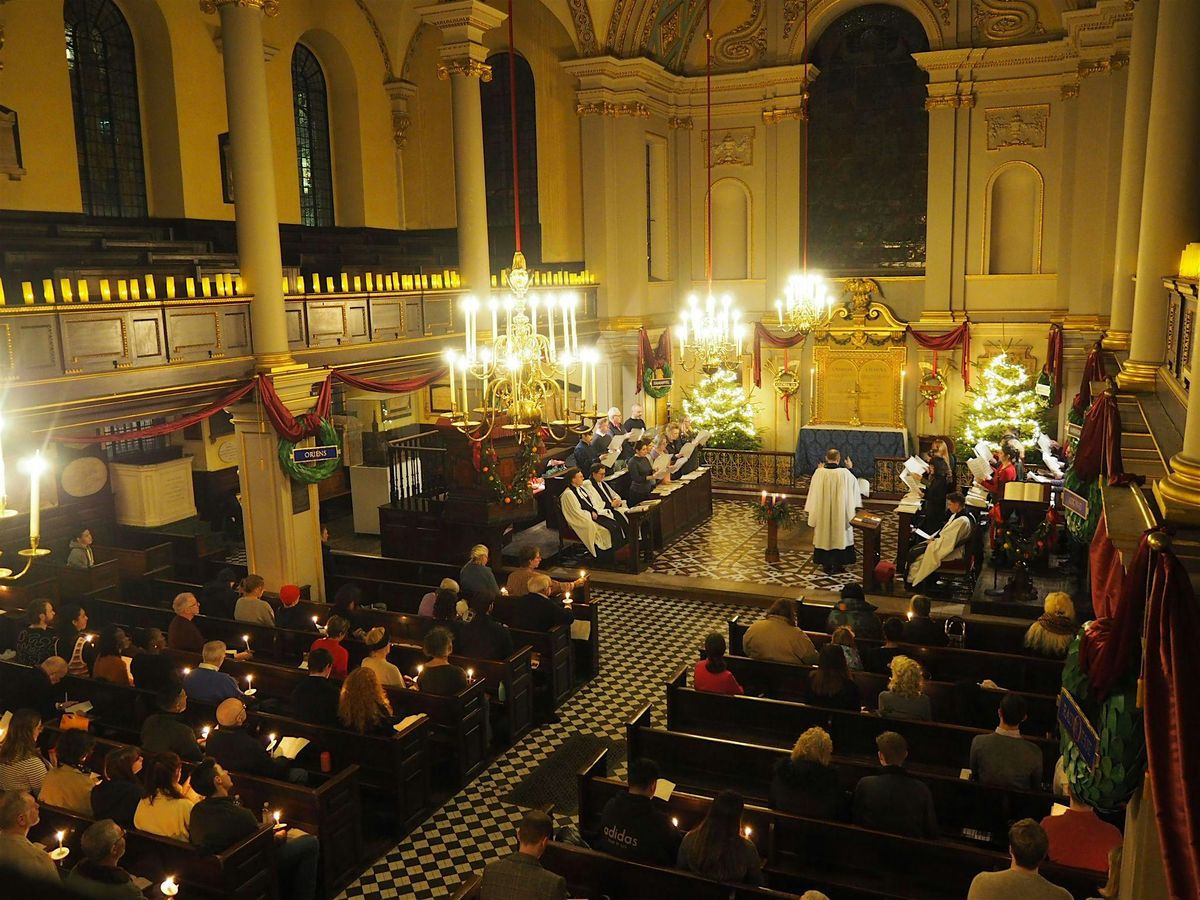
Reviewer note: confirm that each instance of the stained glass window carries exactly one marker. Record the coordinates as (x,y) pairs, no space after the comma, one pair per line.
(497,145)
(310,103)
(868,137)
(104,94)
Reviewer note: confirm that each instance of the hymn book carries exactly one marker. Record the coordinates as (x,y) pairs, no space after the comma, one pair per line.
(287,747)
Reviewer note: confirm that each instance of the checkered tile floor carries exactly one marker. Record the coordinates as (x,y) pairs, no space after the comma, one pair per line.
(730,546)
(643,640)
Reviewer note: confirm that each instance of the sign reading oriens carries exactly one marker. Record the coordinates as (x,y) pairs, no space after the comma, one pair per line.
(314,454)
(1075,503)
(1076,725)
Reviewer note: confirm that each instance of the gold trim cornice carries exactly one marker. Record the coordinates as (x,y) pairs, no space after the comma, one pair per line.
(680,122)
(950,101)
(634,109)
(472,68)
(797,113)
(268,7)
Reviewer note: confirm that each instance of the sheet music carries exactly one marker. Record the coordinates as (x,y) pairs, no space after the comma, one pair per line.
(662,461)
(983,450)
(980,468)
(916,465)
(912,482)
(636,434)
(922,534)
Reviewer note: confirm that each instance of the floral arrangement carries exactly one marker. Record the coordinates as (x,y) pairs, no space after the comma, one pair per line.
(520,488)
(775,508)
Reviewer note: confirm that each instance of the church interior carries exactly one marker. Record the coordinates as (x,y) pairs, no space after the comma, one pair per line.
(815,514)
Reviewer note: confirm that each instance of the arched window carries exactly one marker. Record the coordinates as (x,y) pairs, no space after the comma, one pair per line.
(104,94)
(868,140)
(497,145)
(310,104)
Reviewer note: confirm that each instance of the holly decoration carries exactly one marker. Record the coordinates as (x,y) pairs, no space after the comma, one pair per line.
(648,376)
(311,473)
(515,491)
(1020,547)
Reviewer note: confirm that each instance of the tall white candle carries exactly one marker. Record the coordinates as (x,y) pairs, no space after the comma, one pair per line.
(3,486)
(450,365)
(35,498)
(550,329)
(533,305)
(565,327)
(494,307)
(574,332)
(464,390)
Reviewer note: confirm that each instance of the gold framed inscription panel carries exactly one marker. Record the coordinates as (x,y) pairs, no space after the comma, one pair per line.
(859,387)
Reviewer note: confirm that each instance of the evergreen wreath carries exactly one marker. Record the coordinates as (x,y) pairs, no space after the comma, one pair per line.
(311,473)
(1025,548)
(648,376)
(517,490)
(1081,529)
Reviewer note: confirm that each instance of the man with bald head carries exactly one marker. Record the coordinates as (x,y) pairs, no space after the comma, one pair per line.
(535,611)
(239,751)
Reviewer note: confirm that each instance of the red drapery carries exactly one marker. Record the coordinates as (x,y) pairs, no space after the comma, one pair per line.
(79,440)
(1099,451)
(1107,573)
(1054,363)
(389,387)
(289,427)
(1171,673)
(960,337)
(1093,370)
(760,335)
(652,357)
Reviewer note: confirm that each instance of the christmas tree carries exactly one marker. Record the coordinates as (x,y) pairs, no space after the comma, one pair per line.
(1002,400)
(719,405)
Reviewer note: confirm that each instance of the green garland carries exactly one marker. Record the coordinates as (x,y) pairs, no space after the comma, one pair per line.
(311,473)
(1022,548)
(648,376)
(1082,529)
(517,490)
(782,514)
(1118,722)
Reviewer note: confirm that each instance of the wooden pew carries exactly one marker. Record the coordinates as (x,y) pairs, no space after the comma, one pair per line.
(330,810)
(705,765)
(961,704)
(1014,671)
(455,722)
(778,723)
(82,585)
(246,871)
(191,553)
(998,637)
(845,861)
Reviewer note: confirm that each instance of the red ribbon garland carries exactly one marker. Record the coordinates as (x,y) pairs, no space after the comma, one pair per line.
(1054,363)
(289,427)
(960,337)
(762,335)
(1093,370)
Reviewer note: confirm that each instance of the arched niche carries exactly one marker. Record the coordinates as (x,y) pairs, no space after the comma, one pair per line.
(1012,220)
(732,219)
(349,177)
(823,14)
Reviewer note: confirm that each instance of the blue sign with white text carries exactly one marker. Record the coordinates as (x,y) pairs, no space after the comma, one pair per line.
(1075,724)
(314,454)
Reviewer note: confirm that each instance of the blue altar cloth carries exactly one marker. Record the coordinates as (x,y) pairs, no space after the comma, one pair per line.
(862,445)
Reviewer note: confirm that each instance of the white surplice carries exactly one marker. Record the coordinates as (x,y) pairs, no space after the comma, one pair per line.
(948,544)
(594,535)
(833,498)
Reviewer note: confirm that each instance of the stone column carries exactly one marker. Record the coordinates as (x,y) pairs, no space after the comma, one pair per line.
(463,24)
(1133,168)
(1170,216)
(250,152)
(400,93)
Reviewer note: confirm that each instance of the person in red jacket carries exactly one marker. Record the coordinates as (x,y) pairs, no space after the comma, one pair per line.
(1005,472)
(335,633)
(712,673)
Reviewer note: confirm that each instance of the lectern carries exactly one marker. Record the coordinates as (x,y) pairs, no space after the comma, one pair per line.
(869,524)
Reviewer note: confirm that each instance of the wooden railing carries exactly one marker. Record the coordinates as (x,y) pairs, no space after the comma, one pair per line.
(1181,325)
(775,469)
(417,471)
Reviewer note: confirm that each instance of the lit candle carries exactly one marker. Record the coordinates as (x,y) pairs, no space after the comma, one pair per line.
(249,682)
(169,888)
(276,815)
(450,366)
(170,287)
(420,669)
(574,330)
(35,467)
(150,292)
(583,573)
(271,738)
(463,366)
(246,640)
(779,309)
(533,307)
(764,498)
(60,835)
(910,615)
(470,674)
(749,831)
(204,732)
(315,621)
(186,671)
(675,821)
(550,304)
(494,306)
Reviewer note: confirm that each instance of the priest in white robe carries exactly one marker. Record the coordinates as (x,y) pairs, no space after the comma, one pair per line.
(605,498)
(595,526)
(833,497)
(949,544)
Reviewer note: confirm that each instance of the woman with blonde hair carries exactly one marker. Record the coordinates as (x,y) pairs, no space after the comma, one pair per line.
(805,784)
(1052,633)
(378,647)
(363,705)
(22,766)
(903,698)
(476,576)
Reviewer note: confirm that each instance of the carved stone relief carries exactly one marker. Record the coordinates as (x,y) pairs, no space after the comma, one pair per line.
(1017,126)
(734,147)
(999,21)
(747,43)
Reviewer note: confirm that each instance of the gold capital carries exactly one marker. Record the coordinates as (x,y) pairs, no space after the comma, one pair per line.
(469,67)
(270,7)
(613,110)
(775,116)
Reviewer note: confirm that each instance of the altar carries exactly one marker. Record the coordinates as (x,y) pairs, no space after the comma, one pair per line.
(862,444)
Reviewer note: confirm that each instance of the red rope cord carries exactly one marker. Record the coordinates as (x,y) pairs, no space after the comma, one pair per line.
(708,37)
(512,110)
(804,139)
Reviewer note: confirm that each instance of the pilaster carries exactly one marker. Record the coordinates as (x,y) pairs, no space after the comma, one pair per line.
(400,95)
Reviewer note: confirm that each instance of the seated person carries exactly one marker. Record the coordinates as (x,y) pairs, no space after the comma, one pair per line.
(717,848)
(903,698)
(520,875)
(949,544)
(99,873)
(166,805)
(220,596)
(378,645)
(775,637)
(182,633)
(439,675)
(1052,633)
(315,698)
(633,826)
(1027,849)
(69,784)
(363,705)
(483,637)
(18,813)
(830,683)
(111,650)
(117,796)
(37,641)
(854,610)
(605,497)
(335,632)
(219,821)
(166,731)
(291,614)
(893,800)
(806,783)
(893,634)
(22,766)
(843,638)
(920,628)
(235,748)
(40,686)
(594,524)
(80,555)
(712,673)
(1004,758)
(207,683)
(151,670)
(250,606)
(477,575)
(429,600)
(535,611)
(1079,837)
(529,558)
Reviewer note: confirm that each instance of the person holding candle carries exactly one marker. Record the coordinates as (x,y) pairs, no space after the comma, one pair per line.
(73,643)
(18,813)
(81,555)
(335,632)
(529,558)
(99,875)
(117,796)
(440,676)
(167,731)
(717,847)
(207,683)
(220,595)
(110,664)
(166,805)
(291,614)
(219,821)
(315,698)
(69,784)
(483,637)
(235,748)
(182,633)
(22,766)
(476,576)
(251,607)
(363,705)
